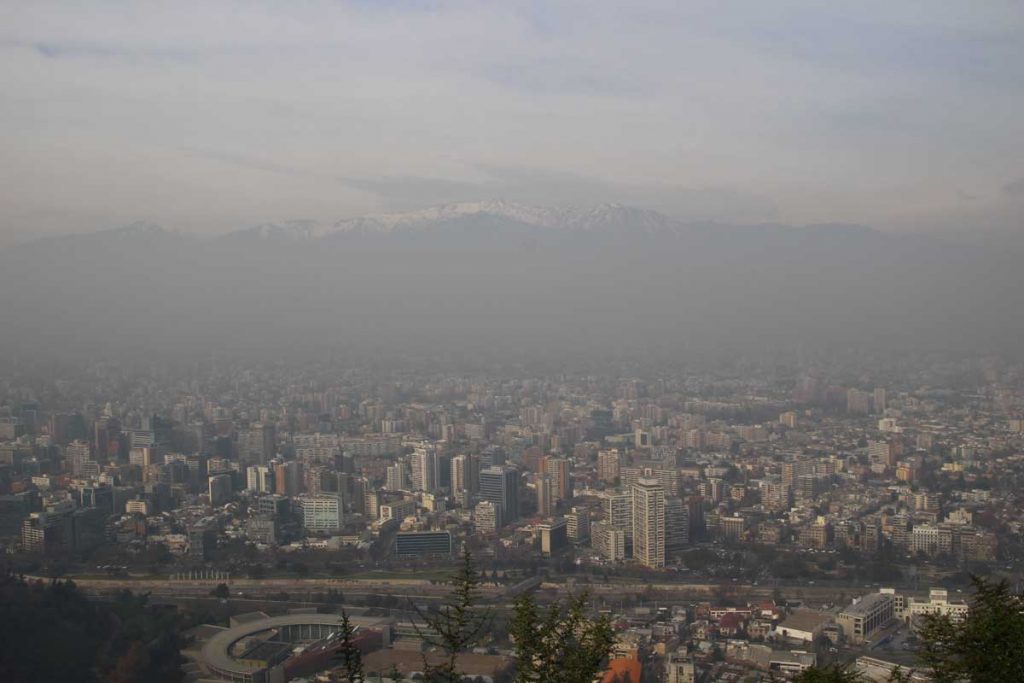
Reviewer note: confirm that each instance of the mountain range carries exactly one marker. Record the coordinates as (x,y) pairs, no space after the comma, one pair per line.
(502,278)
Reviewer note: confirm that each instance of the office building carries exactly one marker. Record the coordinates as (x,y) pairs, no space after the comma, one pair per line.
(397,478)
(677,525)
(288,478)
(465,475)
(866,616)
(487,517)
(558,470)
(423,543)
(260,479)
(322,513)
(500,485)
(608,465)
(544,497)
(221,489)
(425,466)
(554,536)
(578,525)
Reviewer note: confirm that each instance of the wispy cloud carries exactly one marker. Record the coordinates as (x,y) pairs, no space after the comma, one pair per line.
(53,50)
(792,110)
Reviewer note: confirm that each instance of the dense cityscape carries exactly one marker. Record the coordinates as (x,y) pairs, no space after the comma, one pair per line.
(561,341)
(758,517)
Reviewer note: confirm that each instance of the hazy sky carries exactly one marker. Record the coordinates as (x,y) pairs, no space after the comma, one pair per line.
(216,115)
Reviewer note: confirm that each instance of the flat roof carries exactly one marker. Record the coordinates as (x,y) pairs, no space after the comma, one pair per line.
(805,620)
(867,604)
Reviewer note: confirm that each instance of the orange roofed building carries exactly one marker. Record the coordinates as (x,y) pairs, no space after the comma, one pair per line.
(623,671)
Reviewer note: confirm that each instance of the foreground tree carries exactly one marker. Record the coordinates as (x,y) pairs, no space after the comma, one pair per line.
(457,626)
(559,644)
(987,646)
(834,673)
(844,673)
(348,653)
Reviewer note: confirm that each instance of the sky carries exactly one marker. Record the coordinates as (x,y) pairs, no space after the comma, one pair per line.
(213,116)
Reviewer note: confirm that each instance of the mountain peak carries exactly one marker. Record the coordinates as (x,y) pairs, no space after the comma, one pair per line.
(597,217)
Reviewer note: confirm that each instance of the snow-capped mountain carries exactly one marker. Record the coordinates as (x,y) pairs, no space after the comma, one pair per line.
(504,277)
(286,231)
(603,217)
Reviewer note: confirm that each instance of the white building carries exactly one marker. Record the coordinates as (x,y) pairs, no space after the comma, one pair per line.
(322,513)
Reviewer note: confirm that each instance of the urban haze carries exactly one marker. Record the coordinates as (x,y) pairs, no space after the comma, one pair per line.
(558,342)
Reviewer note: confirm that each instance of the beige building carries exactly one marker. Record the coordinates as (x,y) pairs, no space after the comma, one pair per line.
(649,522)
(866,616)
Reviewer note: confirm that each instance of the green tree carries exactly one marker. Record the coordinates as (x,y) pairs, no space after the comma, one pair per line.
(456,626)
(835,673)
(348,654)
(987,646)
(844,673)
(560,644)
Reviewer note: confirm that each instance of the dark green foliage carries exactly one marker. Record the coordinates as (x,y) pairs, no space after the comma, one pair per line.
(830,674)
(837,673)
(559,644)
(988,646)
(51,632)
(457,626)
(348,654)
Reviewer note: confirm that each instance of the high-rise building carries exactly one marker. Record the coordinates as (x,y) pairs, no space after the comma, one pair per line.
(608,464)
(558,470)
(47,533)
(78,459)
(257,445)
(881,453)
(465,473)
(879,400)
(554,536)
(578,524)
(220,489)
(260,479)
(858,402)
(425,468)
(397,477)
(500,485)
(607,541)
(288,479)
(618,512)
(487,517)
(788,419)
(649,522)
(544,496)
(677,525)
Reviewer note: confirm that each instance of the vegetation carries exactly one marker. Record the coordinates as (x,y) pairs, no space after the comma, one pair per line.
(988,646)
(560,644)
(52,632)
(556,644)
(457,626)
(348,654)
